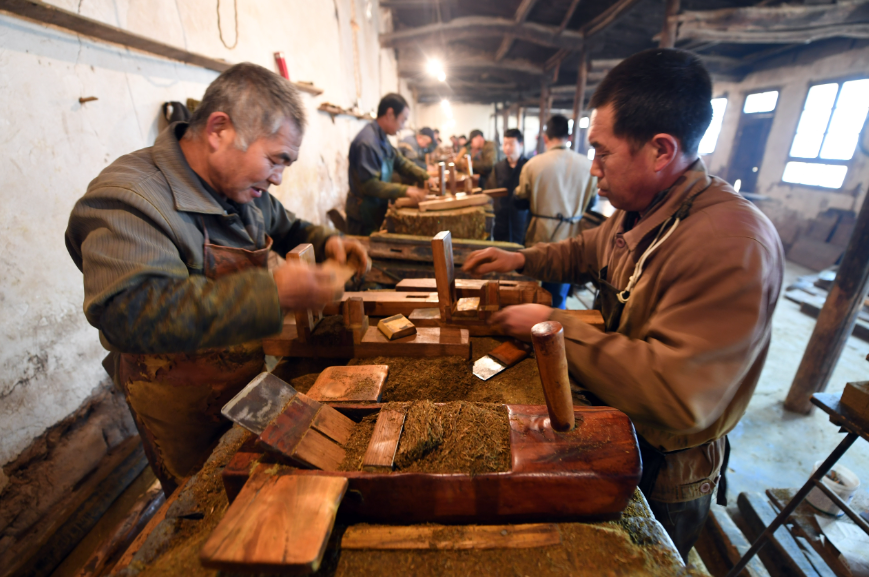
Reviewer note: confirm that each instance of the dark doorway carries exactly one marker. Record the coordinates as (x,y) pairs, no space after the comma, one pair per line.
(748,153)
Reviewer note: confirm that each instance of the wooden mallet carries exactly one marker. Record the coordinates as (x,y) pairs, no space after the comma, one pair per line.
(548,339)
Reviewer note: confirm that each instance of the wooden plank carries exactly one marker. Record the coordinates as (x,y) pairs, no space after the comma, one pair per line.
(445,273)
(759,514)
(278,523)
(355,319)
(396,327)
(418,248)
(286,430)
(350,384)
(855,400)
(453,202)
(814,254)
(384,440)
(389,537)
(318,451)
(508,354)
(427,342)
(733,543)
(386,303)
(333,424)
(510,292)
(54,16)
(306,319)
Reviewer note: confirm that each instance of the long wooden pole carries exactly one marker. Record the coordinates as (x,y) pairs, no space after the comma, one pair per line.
(668,32)
(579,98)
(544,114)
(836,320)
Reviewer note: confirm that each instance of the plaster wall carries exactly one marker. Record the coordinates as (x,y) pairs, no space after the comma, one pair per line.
(51,146)
(465,118)
(793,82)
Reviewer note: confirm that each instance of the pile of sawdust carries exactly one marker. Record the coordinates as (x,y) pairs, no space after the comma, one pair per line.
(457,437)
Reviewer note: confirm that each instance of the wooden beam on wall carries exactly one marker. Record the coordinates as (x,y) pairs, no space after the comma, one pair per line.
(579,98)
(48,14)
(668,32)
(776,25)
(481,27)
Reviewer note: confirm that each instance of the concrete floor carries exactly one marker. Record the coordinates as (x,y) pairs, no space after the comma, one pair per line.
(772,447)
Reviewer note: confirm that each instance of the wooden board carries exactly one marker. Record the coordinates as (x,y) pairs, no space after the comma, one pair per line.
(383,245)
(587,474)
(384,440)
(453,202)
(732,542)
(277,524)
(508,354)
(396,327)
(427,342)
(469,537)
(386,303)
(350,384)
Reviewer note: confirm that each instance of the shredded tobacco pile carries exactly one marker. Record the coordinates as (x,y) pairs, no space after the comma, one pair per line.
(457,437)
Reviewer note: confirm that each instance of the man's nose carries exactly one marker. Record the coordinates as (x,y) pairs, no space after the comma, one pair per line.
(596,169)
(276,177)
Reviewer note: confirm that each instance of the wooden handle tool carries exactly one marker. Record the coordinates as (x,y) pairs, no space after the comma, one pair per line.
(548,339)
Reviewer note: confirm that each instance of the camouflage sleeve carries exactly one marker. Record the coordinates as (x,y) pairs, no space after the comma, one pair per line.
(409,169)
(166,315)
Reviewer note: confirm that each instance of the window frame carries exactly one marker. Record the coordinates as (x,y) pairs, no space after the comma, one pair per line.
(840,80)
(748,93)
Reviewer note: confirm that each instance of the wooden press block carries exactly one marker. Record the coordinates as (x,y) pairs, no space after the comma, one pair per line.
(445,273)
(593,318)
(855,399)
(459,201)
(490,300)
(396,327)
(470,537)
(355,319)
(508,354)
(467,307)
(357,383)
(384,440)
(333,424)
(306,319)
(277,524)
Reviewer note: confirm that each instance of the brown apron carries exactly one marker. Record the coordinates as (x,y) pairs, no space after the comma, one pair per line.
(176,398)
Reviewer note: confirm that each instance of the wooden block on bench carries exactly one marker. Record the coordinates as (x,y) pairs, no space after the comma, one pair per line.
(384,440)
(855,400)
(277,524)
(396,327)
(350,384)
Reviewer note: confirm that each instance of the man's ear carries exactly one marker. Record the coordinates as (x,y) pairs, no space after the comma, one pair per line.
(219,130)
(666,149)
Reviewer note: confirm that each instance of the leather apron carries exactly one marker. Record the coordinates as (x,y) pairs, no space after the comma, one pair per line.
(611,308)
(176,398)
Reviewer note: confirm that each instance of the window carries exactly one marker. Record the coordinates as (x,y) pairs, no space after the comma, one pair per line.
(710,139)
(827,133)
(760,102)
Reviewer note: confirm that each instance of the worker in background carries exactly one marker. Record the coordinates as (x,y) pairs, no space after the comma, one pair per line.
(556,186)
(510,221)
(437,138)
(482,153)
(372,162)
(414,147)
(173,241)
(461,142)
(689,274)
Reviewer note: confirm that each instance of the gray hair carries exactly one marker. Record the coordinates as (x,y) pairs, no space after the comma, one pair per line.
(257,101)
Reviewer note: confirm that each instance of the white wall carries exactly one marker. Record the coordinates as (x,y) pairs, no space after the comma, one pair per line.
(793,82)
(51,147)
(465,118)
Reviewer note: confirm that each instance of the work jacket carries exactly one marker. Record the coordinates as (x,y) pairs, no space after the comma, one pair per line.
(137,235)
(557,186)
(511,222)
(693,337)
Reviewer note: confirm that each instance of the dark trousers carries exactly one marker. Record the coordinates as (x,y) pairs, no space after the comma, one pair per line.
(683,521)
(559,293)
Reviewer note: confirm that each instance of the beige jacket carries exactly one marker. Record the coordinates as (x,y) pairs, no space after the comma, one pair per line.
(695,332)
(555,182)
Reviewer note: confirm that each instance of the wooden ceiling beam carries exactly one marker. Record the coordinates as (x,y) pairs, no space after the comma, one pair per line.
(608,17)
(568,16)
(775,25)
(470,61)
(520,17)
(481,27)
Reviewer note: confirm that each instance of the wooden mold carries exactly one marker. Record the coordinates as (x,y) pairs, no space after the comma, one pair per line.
(355,384)
(396,327)
(588,473)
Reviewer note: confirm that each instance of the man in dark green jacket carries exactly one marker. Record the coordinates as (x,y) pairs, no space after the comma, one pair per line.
(372,161)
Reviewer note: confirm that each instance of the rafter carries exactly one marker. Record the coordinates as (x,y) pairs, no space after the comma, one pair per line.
(568,16)
(480,27)
(776,25)
(520,17)
(607,17)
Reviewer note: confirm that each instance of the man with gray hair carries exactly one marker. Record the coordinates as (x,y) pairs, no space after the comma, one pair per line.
(173,241)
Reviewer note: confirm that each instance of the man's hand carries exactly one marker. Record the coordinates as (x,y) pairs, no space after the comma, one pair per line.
(517,320)
(415,194)
(493,259)
(433,183)
(348,251)
(301,286)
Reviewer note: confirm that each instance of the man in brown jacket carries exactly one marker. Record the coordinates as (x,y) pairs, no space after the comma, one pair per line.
(688,274)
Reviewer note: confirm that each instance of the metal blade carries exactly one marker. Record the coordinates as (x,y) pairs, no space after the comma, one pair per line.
(486,367)
(259,402)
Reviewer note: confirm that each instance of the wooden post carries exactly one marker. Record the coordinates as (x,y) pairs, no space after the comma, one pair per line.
(306,319)
(442,174)
(445,273)
(452,168)
(355,319)
(579,99)
(490,299)
(470,165)
(544,114)
(668,32)
(836,319)
(548,340)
